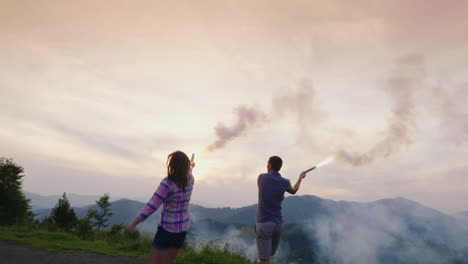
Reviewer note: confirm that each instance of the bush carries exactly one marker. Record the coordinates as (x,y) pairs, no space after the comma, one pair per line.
(116,229)
(134,235)
(84,229)
(47,224)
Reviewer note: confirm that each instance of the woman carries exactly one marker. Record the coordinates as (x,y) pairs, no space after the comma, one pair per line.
(174,193)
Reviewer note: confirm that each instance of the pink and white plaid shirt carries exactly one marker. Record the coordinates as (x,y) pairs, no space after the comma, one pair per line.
(174,215)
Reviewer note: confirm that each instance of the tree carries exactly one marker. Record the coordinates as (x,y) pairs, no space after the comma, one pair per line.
(84,228)
(14,207)
(63,216)
(102,215)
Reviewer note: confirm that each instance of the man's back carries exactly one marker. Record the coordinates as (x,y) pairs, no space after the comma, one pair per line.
(271,189)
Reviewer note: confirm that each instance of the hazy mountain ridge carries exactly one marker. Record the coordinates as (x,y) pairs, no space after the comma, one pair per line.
(48,201)
(294,210)
(392,230)
(462,214)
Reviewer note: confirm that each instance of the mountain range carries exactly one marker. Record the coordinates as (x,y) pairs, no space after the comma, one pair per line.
(77,200)
(317,230)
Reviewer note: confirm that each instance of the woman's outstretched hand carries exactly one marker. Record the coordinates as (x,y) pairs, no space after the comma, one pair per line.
(129,228)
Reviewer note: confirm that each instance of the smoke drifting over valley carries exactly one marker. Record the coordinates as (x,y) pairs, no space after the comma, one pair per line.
(387,231)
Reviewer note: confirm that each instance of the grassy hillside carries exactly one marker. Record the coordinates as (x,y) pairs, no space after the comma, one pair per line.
(115,245)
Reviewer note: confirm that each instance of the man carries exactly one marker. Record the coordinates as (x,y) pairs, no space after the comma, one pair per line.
(271,189)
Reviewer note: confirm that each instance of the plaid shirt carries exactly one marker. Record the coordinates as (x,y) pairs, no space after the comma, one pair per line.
(175,200)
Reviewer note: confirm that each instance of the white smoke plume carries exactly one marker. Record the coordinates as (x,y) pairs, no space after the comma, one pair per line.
(234,239)
(381,233)
(401,89)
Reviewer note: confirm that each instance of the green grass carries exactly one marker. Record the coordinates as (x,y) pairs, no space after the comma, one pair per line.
(114,245)
(56,241)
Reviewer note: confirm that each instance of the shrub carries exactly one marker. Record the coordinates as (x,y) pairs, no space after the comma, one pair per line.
(116,229)
(47,224)
(84,229)
(134,235)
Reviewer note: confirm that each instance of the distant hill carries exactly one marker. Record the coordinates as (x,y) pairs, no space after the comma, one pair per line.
(48,201)
(463,214)
(462,217)
(76,200)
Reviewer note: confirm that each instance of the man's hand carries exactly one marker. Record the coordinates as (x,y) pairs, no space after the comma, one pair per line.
(302,175)
(296,186)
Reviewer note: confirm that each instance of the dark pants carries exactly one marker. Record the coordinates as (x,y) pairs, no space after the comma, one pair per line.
(268,238)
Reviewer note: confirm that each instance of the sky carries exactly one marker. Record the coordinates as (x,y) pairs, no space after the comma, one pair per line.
(96,94)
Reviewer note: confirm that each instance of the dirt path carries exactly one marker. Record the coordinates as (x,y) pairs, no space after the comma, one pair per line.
(15,254)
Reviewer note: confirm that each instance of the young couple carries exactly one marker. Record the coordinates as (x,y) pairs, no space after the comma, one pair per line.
(174,194)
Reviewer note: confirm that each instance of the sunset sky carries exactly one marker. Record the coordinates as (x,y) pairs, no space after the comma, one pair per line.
(96,94)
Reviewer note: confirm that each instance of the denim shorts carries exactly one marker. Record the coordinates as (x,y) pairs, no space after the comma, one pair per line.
(165,239)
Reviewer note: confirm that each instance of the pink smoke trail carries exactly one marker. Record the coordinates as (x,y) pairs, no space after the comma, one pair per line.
(247,117)
(398,133)
(300,102)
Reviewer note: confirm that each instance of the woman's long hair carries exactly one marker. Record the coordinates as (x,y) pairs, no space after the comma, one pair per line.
(178,166)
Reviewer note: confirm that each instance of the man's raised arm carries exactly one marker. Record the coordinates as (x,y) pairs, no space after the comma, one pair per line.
(295,188)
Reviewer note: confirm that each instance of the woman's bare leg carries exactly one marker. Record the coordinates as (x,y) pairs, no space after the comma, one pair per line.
(156,256)
(172,254)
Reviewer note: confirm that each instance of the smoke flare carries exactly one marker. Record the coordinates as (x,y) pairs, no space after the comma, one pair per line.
(325,162)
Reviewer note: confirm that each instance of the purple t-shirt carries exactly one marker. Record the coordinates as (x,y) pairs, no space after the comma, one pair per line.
(271,189)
